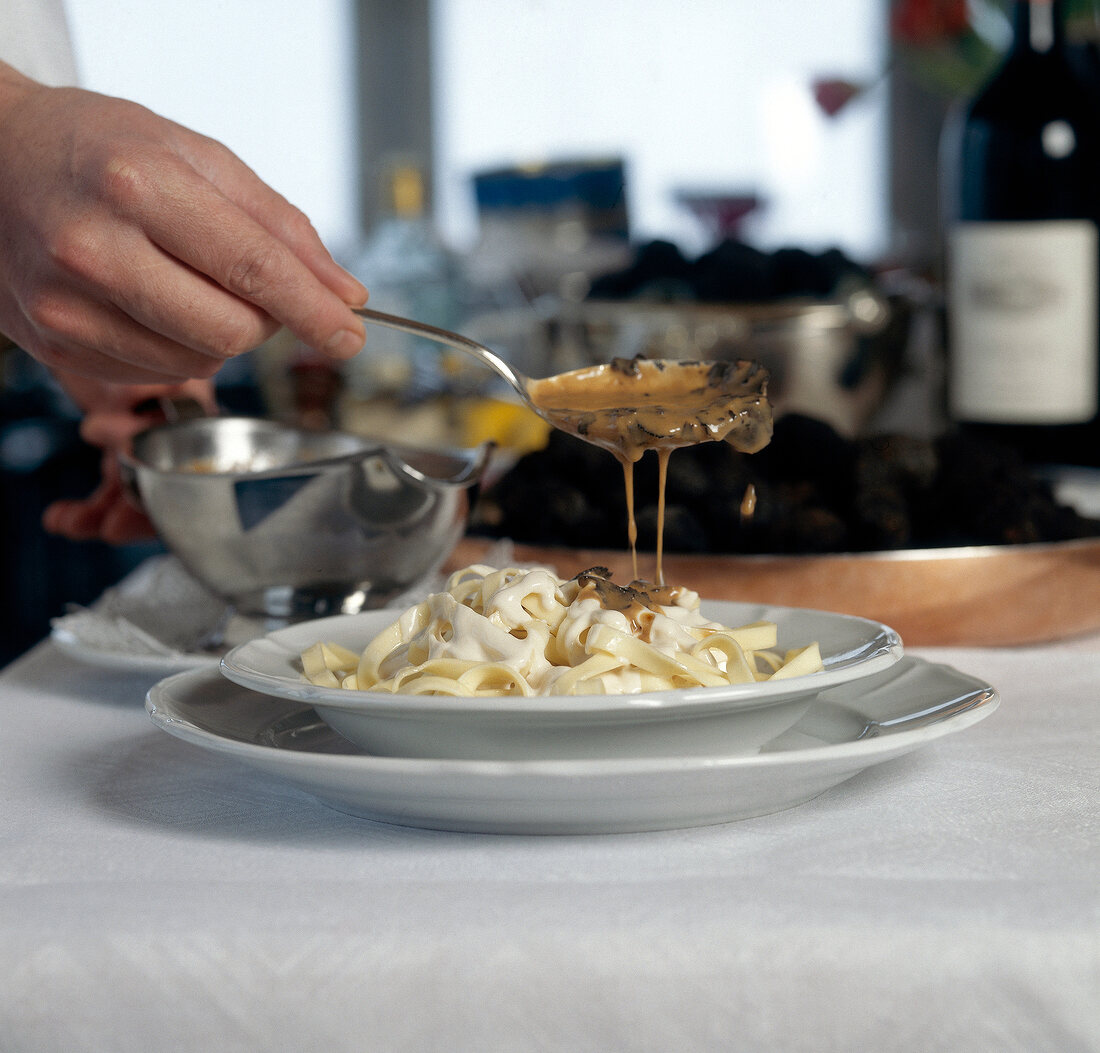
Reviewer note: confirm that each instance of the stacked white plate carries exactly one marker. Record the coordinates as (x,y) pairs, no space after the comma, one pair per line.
(583,764)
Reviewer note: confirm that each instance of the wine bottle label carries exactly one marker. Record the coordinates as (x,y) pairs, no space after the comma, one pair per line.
(1023,321)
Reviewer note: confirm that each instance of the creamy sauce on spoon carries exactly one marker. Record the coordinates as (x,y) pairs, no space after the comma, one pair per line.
(632,405)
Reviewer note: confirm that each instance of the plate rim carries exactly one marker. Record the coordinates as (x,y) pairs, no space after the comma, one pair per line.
(981,701)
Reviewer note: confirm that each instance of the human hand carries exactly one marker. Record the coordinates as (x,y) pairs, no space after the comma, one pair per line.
(136,250)
(107,514)
(114,414)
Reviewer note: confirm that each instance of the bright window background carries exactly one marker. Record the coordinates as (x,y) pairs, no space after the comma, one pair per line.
(272,79)
(711,94)
(702,93)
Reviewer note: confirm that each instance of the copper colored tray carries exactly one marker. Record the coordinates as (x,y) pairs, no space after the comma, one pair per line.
(981,596)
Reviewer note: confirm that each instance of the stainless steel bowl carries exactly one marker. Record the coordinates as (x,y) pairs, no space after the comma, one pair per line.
(287,524)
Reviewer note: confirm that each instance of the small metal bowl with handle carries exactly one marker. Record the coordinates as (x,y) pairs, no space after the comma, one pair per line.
(286,524)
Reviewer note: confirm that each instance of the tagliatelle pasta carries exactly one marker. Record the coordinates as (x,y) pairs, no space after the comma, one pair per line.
(528,632)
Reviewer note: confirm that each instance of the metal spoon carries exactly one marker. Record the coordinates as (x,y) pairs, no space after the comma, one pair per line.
(674,404)
(723,400)
(459,343)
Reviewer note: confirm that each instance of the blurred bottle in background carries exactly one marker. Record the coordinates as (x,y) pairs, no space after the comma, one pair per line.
(1022,189)
(409,272)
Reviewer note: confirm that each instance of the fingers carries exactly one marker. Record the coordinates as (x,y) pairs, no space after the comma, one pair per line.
(70,519)
(86,360)
(123,524)
(83,334)
(117,277)
(282,220)
(191,220)
(115,421)
(116,523)
(106,515)
(113,430)
(93,395)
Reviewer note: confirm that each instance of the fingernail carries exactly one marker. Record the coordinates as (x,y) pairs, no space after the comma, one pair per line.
(345,343)
(352,291)
(361,294)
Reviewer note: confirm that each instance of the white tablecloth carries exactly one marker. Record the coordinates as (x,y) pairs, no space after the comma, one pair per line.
(155,896)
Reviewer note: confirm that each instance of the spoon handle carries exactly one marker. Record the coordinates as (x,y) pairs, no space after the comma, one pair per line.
(453,340)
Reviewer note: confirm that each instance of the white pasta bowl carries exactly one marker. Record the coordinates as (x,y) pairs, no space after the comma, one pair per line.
(704,721)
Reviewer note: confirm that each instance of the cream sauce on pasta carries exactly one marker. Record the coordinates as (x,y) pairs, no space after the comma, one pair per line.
(528,632)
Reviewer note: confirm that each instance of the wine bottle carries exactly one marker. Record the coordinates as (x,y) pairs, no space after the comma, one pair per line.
(1023,251)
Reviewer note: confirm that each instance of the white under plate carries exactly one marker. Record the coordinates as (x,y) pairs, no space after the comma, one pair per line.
(153,621)
(736,718)
(128,659)
(846,730)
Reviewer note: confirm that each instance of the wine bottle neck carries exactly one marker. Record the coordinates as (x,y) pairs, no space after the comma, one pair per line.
(1037,27)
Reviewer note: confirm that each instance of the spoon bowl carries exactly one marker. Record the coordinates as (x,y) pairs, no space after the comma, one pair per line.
(629,406)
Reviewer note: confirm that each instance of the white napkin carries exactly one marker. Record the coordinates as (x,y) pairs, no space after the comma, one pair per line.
(157,610)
